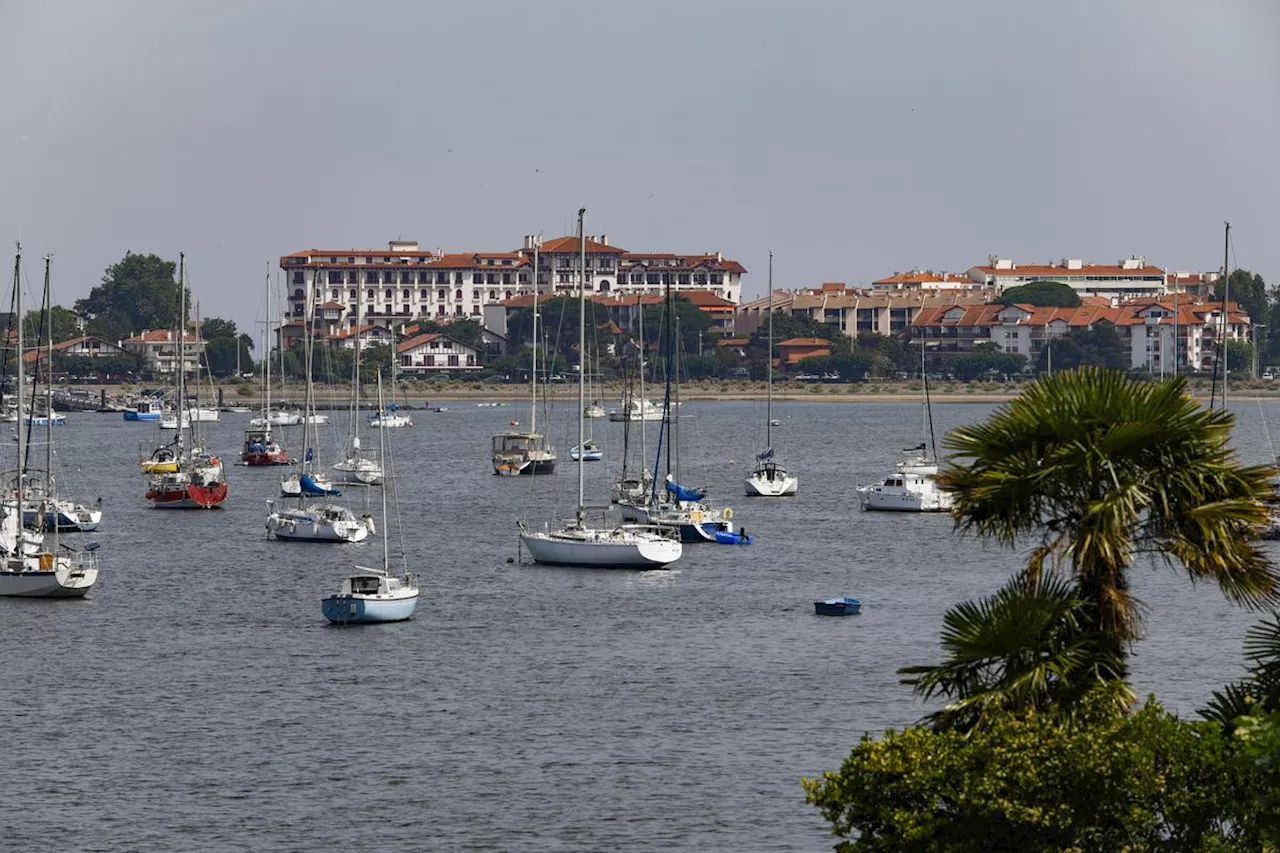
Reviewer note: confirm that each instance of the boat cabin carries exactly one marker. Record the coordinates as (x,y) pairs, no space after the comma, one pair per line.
(516,442)
(365,584)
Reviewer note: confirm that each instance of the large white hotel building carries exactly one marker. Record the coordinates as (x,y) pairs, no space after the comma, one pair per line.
(352,287)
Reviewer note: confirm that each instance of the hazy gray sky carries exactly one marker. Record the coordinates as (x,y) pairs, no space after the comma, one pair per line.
(854,139)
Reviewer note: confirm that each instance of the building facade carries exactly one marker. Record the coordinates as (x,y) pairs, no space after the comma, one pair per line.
(159,351)
(436,352)
(405,282)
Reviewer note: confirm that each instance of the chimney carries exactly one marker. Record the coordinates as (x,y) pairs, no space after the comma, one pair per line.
(604,239)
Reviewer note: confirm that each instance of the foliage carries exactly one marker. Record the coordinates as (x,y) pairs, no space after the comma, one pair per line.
(1101,468)
(82,365)
(467,331)
(1258,736)
(976,365)
(1048,294)
(849,366)
(220,356)
(1098,345)
(375,359)
(1249,291)
(64,321)
(1027,648)
(216,327)
(1260,688)
(138,292)
(1240,356)
(691,321)
(1104,783)
(787,325)
(558,328)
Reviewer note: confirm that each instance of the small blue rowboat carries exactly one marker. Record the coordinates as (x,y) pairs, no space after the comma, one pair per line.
(844,606)
(733,537)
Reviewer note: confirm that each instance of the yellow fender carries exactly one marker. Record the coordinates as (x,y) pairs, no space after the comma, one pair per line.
(728,514)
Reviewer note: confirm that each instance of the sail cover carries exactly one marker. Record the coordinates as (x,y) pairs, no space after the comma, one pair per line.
(681,493)
(311,487)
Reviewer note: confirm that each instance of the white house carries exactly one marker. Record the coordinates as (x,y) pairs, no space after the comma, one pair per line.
(159,350)
(436,352)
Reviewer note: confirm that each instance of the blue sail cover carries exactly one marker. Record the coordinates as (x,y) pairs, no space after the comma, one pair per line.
(311,487)
(766,454)
(683,494)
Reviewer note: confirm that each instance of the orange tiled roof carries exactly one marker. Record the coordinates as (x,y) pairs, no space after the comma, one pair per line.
(1086,269)
(418,341)
(571,244)
(804,342)
(158,336)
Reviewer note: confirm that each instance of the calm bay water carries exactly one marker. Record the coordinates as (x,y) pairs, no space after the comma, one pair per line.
(198,700)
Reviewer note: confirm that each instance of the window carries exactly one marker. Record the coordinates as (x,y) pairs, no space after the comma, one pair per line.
(493,295)
(717,278)
(522,278)
(683,278)
(371,277)
(368,293)
(491,278)
(453,361)
(440,311)
(440,294)
(423,294)
(475,310)
(297,277)
(508,296)
(506,278)
(406,278)
(457,311)
(386,294)
(424,277)
(457,278)
(622,278)
(351,293)
(458,294)
(404,293)
(335,276)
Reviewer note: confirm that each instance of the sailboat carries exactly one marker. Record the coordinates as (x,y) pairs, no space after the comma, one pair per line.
(374,595)
(43,509)
(320,522)
(912,486)
(770,479)
(678,508)
(260,446)
(192,411)
(575,543)
(27,568)
(516,453)
(356,468)
(197,480)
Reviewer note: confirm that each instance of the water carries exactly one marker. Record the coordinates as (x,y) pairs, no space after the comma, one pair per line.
(197,699)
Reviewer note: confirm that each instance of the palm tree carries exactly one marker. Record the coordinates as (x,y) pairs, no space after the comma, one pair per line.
(1027,647)
(1260,689)
(1104,468)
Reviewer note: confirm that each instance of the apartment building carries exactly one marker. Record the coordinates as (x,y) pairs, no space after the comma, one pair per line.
(405,282)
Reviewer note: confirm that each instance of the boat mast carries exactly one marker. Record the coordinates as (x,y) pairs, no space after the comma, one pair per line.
(628,410)
(1226,298)
(533,370)
(355,382)
(768,420)
(582,348)
(266,349)
(50,502)
(179,381)
(309,400)
(23,425)
(382,457)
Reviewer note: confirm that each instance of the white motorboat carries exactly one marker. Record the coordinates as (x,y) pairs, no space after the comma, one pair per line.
(276,417)
(169,420)
(770,479)
(636,410)
(594,410)
(390,419)
(575,543)
(317,523)
(905,493)
(590,452)
(375,595)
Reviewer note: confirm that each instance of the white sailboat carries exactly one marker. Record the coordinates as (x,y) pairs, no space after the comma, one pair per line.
(358,468)
(576,543)
(912,486)
(374,595)
(518,453)
(27,568)
(317,522)
(770,479)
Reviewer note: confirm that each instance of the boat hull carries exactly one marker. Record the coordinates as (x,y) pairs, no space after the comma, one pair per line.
(601,553)
(303,527)
(63,581)
(516,468)
(262,460)
(779,486)
(368,610)
(86,521)
(362,472)
(140,416)
(837,607)
(188,496)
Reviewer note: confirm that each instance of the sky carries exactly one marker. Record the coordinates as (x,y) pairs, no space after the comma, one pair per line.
(853,139)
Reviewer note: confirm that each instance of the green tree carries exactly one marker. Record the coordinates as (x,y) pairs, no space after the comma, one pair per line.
(1028,647)
(993,365)
(64,322)
(374,359)
(849,366)
(1249,291)
(1042,293)
(220,355)
(1098,783)
(1099,345)
(138,292)
(1240,356)
(1100,467)
(215,327)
